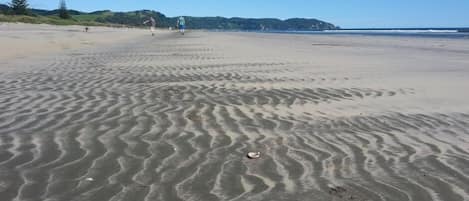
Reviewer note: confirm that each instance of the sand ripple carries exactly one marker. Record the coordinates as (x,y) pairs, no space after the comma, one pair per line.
(172,119)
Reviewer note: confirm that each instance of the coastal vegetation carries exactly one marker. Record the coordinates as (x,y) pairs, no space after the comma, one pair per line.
(64,16)
(63,12)
(19,7)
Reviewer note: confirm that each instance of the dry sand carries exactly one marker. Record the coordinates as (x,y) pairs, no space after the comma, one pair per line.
(172,118)
(25,41)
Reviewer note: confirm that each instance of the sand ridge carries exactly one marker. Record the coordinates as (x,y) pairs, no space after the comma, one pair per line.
(172,118)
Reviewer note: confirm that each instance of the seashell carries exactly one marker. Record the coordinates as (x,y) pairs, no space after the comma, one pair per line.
(254,155)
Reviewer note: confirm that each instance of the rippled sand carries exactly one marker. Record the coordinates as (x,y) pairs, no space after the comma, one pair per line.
(172,118)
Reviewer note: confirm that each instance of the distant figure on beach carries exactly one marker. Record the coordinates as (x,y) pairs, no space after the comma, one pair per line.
(87,29)
(152,22)
(181,23)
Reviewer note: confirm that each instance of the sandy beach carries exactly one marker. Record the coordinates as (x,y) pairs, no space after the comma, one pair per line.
(116,114)
(26,42)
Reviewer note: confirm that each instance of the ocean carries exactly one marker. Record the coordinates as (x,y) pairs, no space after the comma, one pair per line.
(433,33)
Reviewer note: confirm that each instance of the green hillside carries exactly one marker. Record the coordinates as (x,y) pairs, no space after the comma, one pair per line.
(136,19)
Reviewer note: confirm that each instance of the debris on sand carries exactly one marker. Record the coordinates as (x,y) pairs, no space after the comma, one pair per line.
(254,155)
(337,191)
(194,117)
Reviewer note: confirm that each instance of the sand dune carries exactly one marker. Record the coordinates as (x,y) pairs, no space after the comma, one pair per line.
(172,118)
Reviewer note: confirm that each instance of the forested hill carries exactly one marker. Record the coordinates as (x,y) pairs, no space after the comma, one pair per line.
(135,18)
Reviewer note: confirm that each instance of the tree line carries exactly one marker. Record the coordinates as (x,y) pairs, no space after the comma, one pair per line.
(21,7)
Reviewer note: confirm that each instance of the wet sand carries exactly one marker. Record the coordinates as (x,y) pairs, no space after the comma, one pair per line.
(172,117)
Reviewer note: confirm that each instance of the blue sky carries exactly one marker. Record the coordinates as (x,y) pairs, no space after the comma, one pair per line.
(344,13)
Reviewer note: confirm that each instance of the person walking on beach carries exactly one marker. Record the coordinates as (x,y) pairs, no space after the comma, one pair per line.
(181,23)
(152,22)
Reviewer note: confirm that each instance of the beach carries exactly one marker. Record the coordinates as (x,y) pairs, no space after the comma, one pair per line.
(25,41)
(116,114)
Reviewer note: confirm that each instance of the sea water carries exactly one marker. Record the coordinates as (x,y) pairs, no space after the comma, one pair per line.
(434,33)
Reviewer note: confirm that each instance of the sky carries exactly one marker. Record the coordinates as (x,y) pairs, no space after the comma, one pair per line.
(343,13)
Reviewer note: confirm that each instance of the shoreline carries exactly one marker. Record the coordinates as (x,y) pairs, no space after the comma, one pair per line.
(372,33)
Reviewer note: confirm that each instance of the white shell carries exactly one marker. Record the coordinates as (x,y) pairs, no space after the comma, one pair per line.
(254,155)
(89,179)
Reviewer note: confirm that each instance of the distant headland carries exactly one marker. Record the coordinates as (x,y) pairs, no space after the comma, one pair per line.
(135,19)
